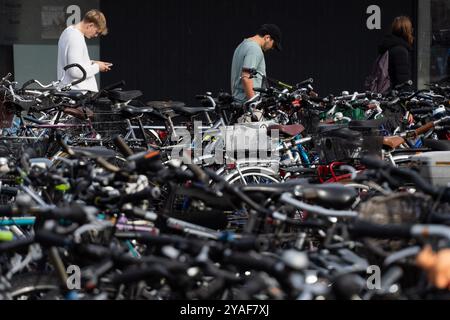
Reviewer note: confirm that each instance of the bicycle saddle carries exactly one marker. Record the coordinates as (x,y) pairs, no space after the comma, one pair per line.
(345,133)
(190,111)
(332,195)
(73,94)
(123,96)
(290,130)
(133,112)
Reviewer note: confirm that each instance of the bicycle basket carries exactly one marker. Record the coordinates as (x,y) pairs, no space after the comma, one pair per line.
(107,122)
(339,143)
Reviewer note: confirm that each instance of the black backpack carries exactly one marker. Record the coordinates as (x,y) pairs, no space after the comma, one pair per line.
(379,81)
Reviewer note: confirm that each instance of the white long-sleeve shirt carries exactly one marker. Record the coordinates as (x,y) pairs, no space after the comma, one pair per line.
(72,48)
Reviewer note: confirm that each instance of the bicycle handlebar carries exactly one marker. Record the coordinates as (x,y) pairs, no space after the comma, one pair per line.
(76,65)
(123,147)
(361,228)
(413,176)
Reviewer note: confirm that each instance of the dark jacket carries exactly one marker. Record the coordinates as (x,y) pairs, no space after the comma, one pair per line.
(400,69)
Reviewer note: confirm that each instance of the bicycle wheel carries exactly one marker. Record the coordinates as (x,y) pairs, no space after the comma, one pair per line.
(252,176)
(35,286)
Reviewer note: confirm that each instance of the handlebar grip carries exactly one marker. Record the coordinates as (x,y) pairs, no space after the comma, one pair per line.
(76,65)
(123,147)
(26,84)
(367,229)
(424,128)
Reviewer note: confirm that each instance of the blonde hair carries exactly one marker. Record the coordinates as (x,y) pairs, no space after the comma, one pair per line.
(402,27)
(98,18)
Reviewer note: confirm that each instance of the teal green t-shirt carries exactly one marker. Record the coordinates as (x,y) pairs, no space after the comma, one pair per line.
(248,55)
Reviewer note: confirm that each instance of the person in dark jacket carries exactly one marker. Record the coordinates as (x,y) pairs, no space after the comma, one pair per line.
(399,43)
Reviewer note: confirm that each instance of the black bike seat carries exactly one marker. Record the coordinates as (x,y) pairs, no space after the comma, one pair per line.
(332,195)
(288,130)
(124,96)
(192,110)
(73,94)
(340,132)
(132,112)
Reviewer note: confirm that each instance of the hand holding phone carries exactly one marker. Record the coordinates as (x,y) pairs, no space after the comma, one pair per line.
(104,66)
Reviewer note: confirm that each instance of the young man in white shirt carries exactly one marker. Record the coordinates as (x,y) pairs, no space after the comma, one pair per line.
(72,49)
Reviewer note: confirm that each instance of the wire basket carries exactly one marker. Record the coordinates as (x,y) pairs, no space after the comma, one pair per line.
(107,122)
(338,143)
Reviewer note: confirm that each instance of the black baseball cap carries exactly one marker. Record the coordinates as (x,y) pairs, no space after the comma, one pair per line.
(274,32)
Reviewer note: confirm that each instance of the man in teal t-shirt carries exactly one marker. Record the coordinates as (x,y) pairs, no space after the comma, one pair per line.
(250,55)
